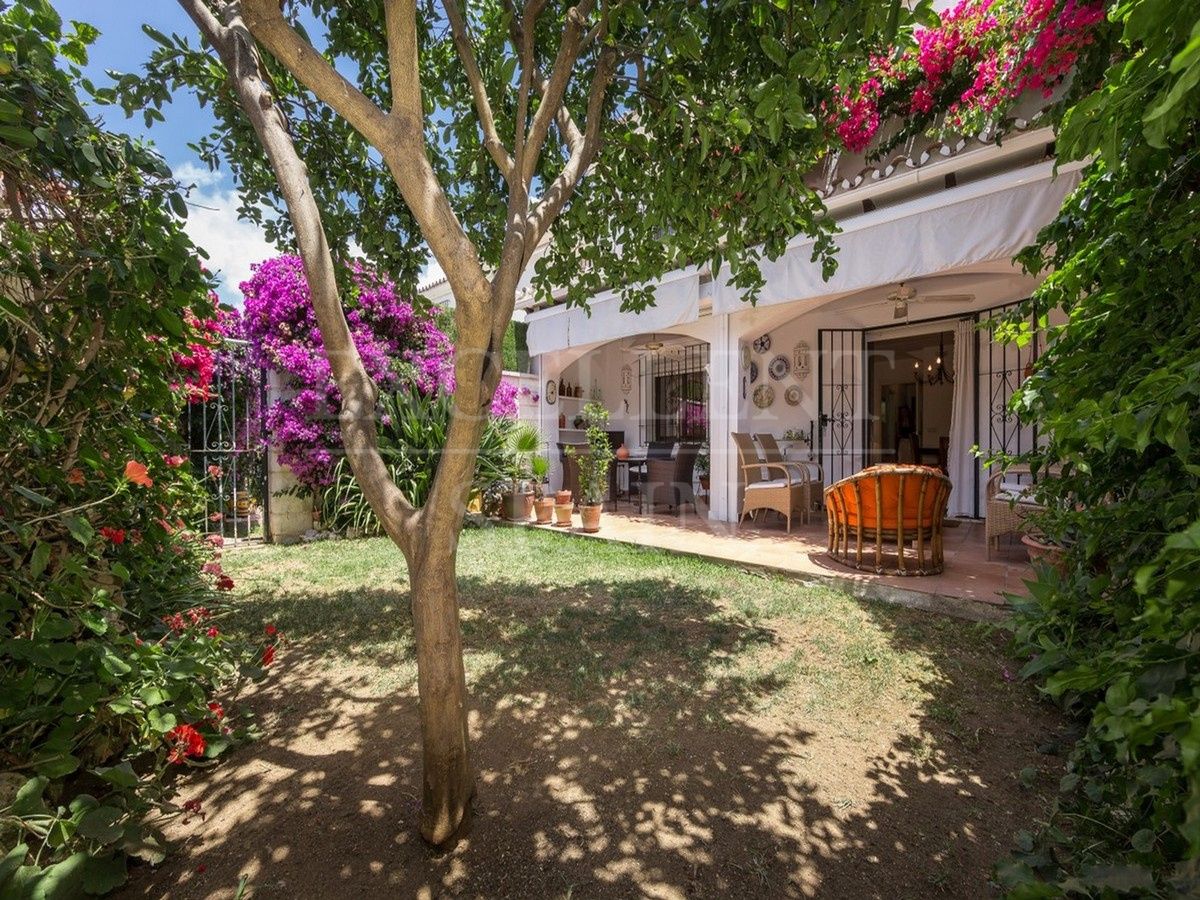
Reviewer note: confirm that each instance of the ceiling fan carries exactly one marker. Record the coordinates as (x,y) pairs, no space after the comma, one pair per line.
(903,295)
(651,343)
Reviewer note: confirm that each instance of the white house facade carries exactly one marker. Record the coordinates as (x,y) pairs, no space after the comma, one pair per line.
(888,360)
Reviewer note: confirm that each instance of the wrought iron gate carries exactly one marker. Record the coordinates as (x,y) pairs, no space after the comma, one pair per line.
(227,449)
(1000,368)
(841,353)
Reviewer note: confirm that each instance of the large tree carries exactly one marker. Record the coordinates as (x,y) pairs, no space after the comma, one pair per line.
(623,138)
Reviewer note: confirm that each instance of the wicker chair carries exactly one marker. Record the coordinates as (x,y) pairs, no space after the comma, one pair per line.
(670,480)
(786,493)
(812,470)
(889,505)
(1008,504)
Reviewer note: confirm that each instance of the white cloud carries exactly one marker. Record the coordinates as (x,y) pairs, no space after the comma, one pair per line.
(431,272)
(232,243)
(189,173)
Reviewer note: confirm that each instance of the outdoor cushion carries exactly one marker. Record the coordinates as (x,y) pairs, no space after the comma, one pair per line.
(775,483)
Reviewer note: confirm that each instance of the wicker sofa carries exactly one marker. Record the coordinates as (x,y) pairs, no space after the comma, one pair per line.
(882,509)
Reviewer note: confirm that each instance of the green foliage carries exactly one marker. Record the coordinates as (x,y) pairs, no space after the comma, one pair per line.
(100,290)
(593,465)
(696,166)
(412,433)
(1116,638)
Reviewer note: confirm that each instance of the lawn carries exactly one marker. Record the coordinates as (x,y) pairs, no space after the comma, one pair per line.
(644,724)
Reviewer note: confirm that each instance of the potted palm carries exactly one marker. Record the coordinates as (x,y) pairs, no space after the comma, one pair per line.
(543,505)
(593,466)
(523,444)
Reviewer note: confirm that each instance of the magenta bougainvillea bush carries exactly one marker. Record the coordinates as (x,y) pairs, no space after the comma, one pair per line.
(981,57)
(400,344)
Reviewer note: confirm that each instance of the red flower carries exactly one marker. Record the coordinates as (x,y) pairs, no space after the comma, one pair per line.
(268,655)
(224,583)
(202,868)
(113,535)
(196,613)
(174,460)
(214,517)
(216,709)
(212,567)
(185,742)
(216,540)
(214,471)
(212,632)
(137,473)
(175,622)
(75,476)
(271,630)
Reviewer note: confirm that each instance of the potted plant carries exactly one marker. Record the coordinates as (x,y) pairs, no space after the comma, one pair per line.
(523,444)
(543,505)
(593,466)
(702,469)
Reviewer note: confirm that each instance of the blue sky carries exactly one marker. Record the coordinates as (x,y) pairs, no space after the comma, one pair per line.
(213,223)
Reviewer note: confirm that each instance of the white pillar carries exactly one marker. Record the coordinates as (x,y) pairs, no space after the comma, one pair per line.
(724,392)
(290,515)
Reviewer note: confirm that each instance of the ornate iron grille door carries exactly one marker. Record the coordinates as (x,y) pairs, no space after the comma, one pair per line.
(840,366)
(1000,369)
(225,437)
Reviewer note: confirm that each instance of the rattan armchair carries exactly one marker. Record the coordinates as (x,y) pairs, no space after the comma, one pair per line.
(769,485)
(670,480)
(1008,504)
(813,472)
(886,507)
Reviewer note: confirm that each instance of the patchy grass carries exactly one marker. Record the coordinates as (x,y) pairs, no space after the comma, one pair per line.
(643,725)
(586,614)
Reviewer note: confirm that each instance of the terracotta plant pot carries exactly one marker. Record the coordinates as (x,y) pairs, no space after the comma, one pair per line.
(591,517)
(561,497)
(704,482)
(513,507)
(528,504)
(544,507)
(1053,555)
(562,514)
(622,452)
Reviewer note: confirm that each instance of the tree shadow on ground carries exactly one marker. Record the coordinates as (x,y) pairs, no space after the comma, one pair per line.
(633,737)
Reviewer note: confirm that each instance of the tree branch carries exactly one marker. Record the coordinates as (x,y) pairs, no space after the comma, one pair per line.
(483,106)
(556,86)
(234,44)
(264,19)
(582,154)
(401,20)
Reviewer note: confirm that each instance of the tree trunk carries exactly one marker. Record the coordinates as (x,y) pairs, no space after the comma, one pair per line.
(448,783)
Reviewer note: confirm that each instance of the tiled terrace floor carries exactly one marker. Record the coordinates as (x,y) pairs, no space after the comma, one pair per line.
(971,585)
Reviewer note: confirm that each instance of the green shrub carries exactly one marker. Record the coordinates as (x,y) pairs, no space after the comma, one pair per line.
(113,665)
(1116,638)
(412,433)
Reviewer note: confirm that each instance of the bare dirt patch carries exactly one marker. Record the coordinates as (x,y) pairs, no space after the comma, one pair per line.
(644,726)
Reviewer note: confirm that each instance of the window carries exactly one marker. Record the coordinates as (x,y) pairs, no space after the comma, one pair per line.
(675,385)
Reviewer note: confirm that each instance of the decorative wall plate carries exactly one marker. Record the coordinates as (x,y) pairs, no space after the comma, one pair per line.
(753,372)
(551,392)
(764,396)
(745,356)
(779,367)
(626,379)
(762,344)
(800,361)
(792,396)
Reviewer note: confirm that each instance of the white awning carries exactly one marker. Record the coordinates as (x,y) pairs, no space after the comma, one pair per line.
(676,302)
(989,220)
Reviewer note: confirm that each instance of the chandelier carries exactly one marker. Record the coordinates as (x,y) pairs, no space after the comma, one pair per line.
(936,371)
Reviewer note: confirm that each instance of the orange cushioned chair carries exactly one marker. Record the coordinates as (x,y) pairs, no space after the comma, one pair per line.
(889,504)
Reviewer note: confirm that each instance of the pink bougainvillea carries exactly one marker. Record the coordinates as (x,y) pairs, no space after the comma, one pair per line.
(398,342)
(983,56)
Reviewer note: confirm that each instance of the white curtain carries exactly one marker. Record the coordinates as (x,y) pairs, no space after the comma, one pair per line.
(961,463)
